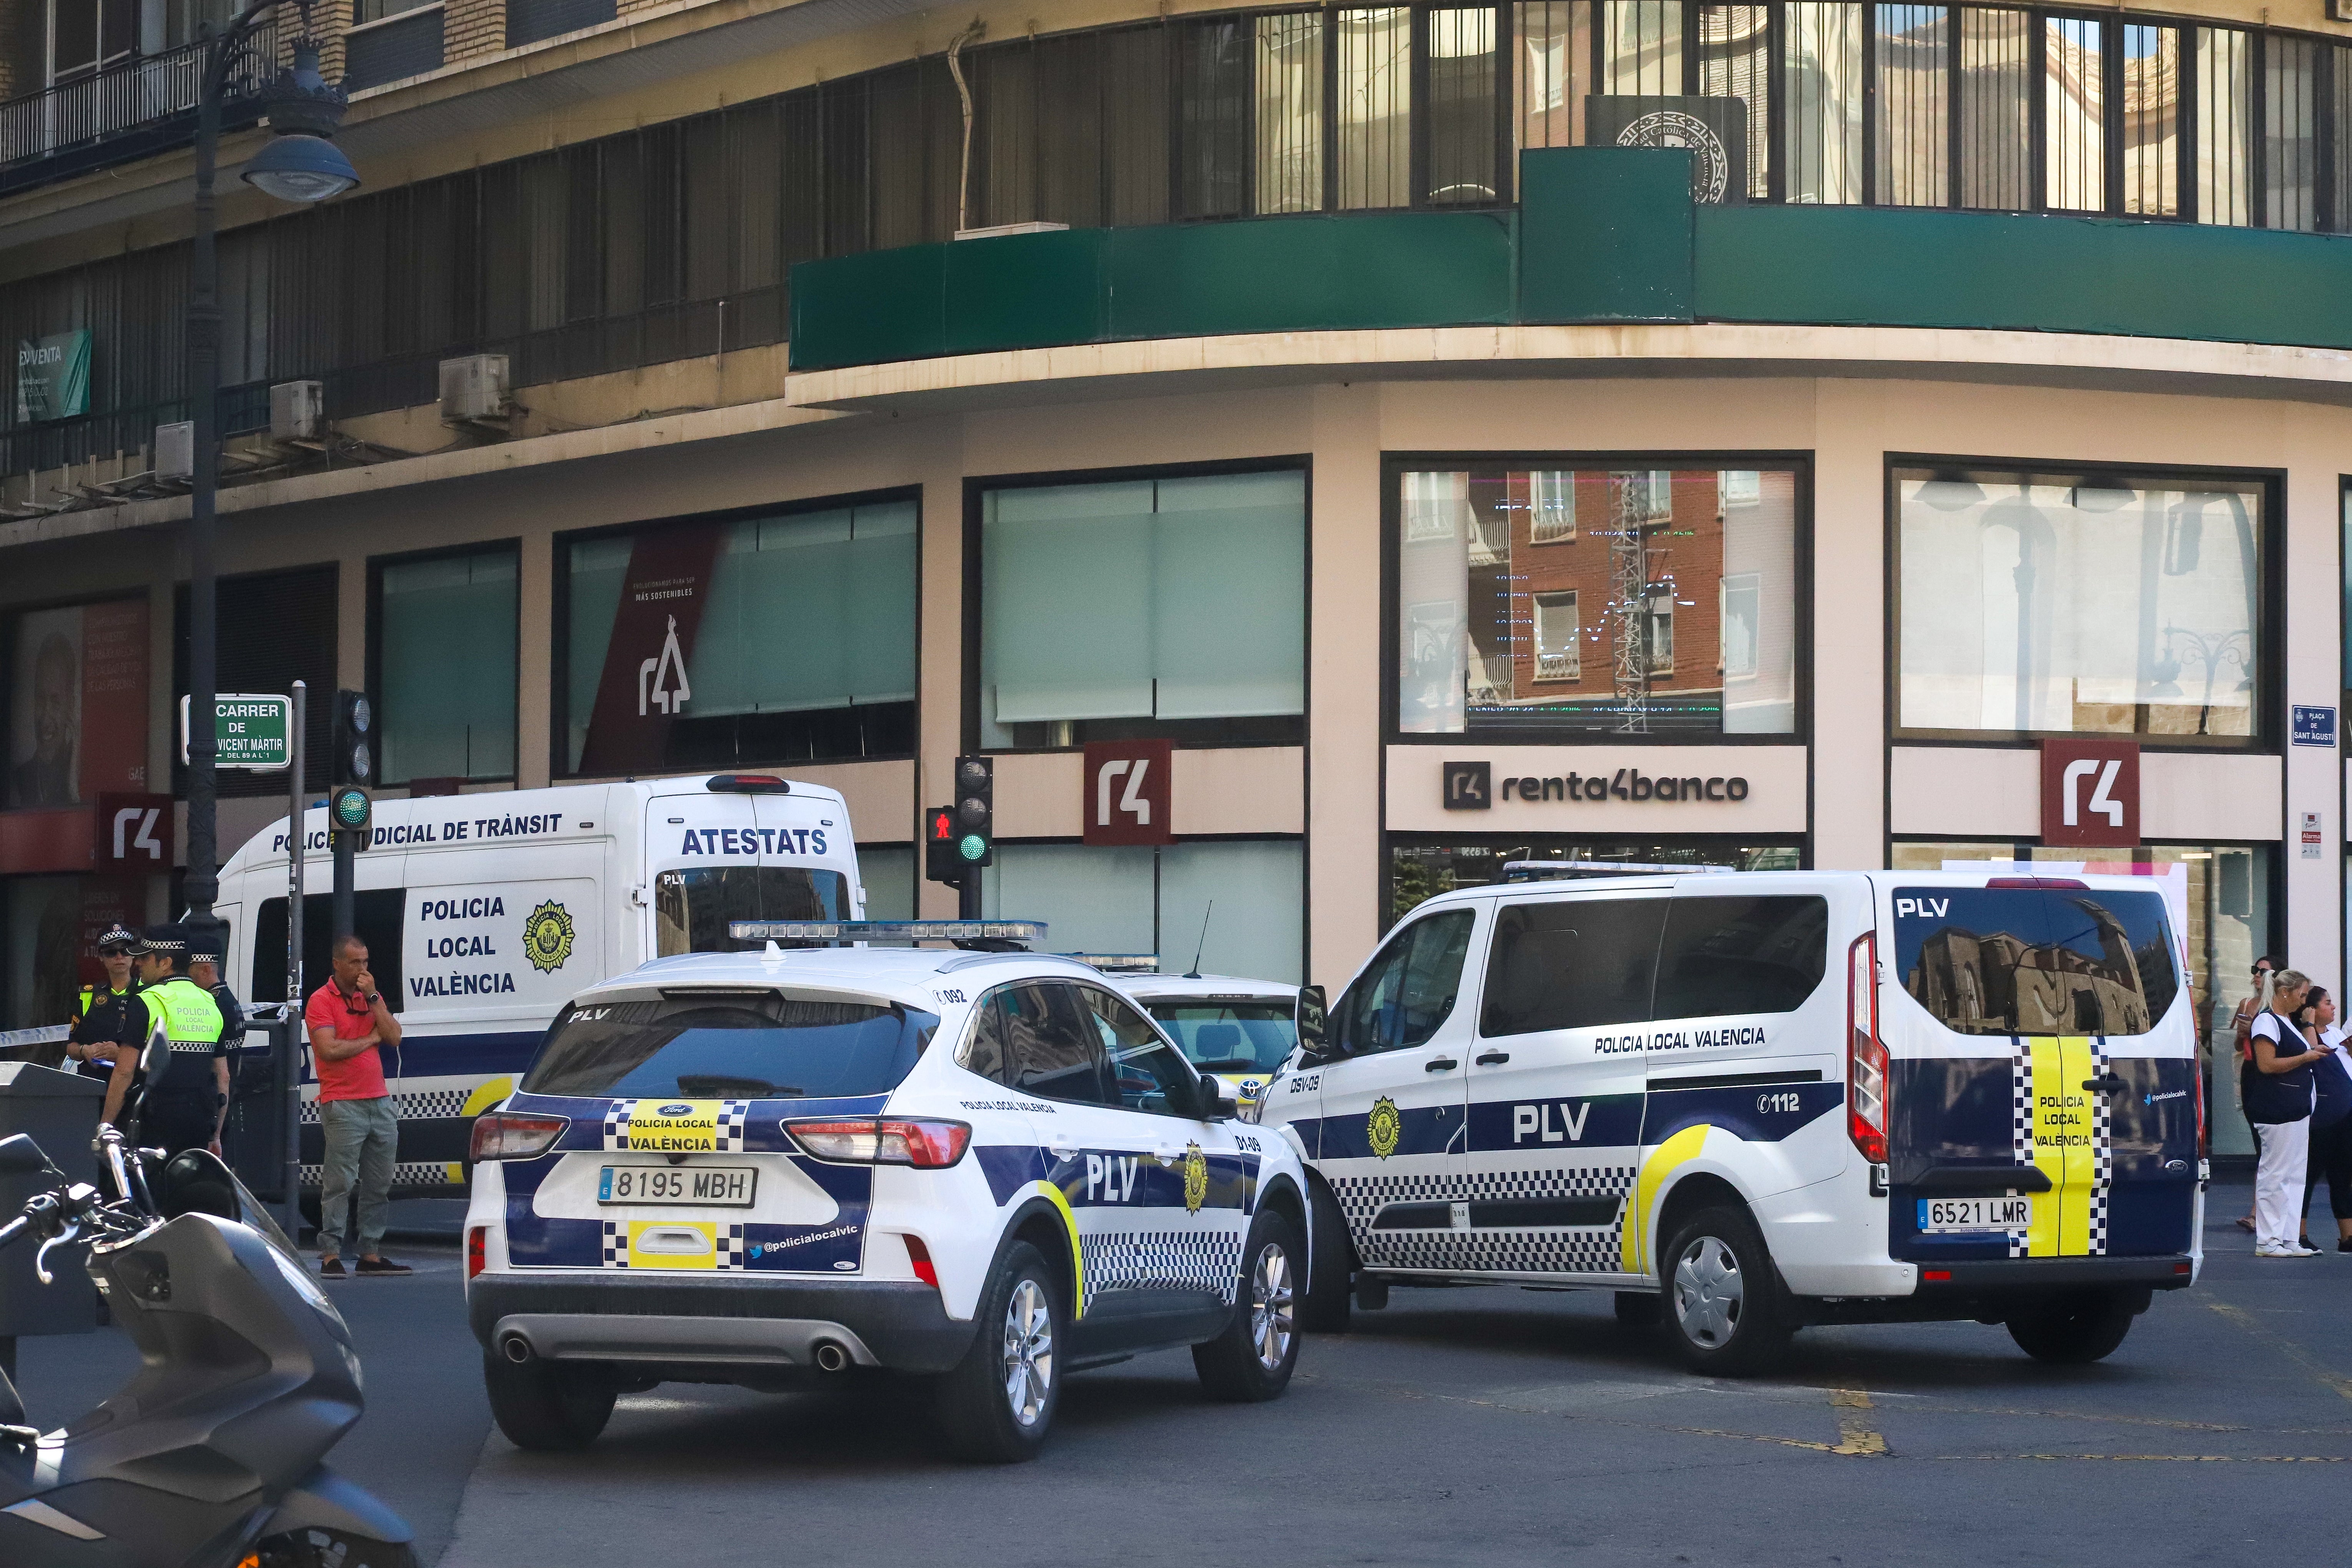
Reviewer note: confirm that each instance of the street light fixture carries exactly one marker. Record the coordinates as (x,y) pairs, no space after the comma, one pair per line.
(298,164)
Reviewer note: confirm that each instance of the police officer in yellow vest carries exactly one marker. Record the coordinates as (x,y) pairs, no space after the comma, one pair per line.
(107,1012)
(176,1084)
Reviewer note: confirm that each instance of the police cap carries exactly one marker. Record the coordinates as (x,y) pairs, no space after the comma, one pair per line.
(117,938)
(167,937)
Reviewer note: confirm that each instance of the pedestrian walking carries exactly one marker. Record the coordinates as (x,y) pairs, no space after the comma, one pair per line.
(349,1025)
(105,1015)
(172,1085)
(2331,1118)
(2241,1032)
(2276,1088)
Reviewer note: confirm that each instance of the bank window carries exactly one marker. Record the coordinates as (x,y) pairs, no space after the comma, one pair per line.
(1144,608)
(1226,906)
(2079,605)
(1421,869)
(1596,601)
(1570,963)
(742,641)
(446,676)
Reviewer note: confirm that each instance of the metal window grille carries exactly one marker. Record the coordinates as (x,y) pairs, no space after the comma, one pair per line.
(1913,83)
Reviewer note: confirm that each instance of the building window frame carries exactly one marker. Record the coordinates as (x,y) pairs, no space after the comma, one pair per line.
(1504,844)
(2269,712)
(376,566)
(1395,464)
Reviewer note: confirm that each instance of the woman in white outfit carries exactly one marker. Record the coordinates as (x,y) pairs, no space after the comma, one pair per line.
(2278,1088)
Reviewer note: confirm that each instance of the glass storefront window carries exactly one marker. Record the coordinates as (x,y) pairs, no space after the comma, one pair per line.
(742,641)
(2035,603)
(1424,867)
(445,679)
(77,703)
(1130,900)
(1596,601)
(1144,608)
(2220,897)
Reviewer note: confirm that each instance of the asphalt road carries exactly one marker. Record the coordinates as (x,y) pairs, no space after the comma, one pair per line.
(1489,1425)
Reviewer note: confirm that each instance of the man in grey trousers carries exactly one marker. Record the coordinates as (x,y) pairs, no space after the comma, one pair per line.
(349,1023)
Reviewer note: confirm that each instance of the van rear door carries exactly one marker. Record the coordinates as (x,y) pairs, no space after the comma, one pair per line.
(2043,1058)
(716,857)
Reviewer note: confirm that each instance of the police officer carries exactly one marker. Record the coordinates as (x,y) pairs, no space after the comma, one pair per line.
(205,969)
(106,1016)
(180,1071)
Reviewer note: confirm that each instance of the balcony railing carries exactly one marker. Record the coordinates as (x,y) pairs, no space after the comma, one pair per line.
(126,108)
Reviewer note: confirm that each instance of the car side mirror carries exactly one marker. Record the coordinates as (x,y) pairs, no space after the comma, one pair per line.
(1217,1102)
(1313,1031)
(20,1156)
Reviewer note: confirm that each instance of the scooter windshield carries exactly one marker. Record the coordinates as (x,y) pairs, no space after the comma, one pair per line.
(195,1181)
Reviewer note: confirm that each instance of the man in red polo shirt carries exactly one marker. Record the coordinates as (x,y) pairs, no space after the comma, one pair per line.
(348,1021)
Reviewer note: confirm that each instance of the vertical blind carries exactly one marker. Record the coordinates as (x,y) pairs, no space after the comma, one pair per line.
(446,686)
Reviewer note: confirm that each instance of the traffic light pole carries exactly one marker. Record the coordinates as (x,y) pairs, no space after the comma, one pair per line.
(968,895)
(346,847)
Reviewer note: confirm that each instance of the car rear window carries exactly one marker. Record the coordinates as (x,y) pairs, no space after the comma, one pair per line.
(1222,1034)
(2036,960)
(768,1046)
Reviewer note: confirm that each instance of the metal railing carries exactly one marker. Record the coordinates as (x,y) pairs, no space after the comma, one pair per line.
(127,108)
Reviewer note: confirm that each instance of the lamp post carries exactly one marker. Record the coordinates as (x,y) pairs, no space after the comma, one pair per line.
(298,164)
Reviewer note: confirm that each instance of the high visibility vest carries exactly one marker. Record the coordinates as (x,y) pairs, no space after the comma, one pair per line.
(184,1024)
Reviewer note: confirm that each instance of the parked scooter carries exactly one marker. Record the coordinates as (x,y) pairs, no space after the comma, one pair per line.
(209,1456)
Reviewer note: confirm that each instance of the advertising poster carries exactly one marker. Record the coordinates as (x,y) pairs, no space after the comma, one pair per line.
(643,686)
(52,378)
(77,703)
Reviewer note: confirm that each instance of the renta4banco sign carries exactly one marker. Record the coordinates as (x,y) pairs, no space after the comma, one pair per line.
(1471,786)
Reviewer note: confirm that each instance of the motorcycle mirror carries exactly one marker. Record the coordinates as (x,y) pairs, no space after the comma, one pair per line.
(20,1156)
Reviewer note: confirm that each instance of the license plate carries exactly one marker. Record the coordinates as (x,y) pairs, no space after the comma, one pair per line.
(715,1187)
(1947,1214)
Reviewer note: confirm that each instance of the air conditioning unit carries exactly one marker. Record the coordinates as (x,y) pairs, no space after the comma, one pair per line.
(176,451)
(2339,11)
(473,387)
(297,411)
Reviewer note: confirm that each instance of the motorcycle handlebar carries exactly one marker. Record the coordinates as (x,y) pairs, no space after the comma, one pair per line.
(15,1228)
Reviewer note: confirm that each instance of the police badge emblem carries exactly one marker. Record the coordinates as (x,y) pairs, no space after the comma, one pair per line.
(547,937)
(1382,1127)
(1196,1178)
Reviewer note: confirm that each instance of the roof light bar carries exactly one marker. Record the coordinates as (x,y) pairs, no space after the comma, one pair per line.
(1519,870)
(1120,963)
(887,930)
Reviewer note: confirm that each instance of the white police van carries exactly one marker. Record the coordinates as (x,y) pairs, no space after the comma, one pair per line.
(774,1168)
(1748,1102)
(484,913)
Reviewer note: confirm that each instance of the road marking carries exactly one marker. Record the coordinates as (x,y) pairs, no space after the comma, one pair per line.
(2284,1346)
(2176,1458)
(1855,1435)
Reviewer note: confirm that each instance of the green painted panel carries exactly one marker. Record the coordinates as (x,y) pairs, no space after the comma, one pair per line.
(1605,235)
(1310,274)
(871,308)
(1023,291)
(1907,266)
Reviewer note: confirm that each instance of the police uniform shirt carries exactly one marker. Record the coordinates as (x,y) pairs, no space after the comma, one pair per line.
(186,1015)
(108,1015)
(232,1014)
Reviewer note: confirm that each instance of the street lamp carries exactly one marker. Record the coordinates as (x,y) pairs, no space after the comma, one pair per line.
(298,164)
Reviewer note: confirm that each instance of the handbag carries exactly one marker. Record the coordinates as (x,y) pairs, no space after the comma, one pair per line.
(2271,1098)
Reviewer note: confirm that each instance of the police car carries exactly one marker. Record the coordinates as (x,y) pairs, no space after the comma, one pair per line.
(986,1168)
(1238,1031)
(1747,1102)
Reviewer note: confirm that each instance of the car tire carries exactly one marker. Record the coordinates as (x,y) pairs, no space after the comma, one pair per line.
(547,1407)
(1642,1309)
(1252,1359)
(985,1414)
(1323,1306)
(1721,1296)
(2076,1332)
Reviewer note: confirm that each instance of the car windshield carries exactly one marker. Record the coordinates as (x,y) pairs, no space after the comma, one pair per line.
(768,1045)
(2036,960)
(1230,1034)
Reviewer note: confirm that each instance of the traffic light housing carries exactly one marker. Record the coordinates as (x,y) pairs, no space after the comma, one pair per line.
(975,811)
(940,861)
(351,809)
(355,740)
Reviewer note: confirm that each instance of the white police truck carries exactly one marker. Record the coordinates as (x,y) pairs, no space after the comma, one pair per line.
(985,1168)
(1748,1102)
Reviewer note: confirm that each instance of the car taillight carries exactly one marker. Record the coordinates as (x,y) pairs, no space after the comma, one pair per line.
(920,1257)
(1865,1057)
(516,1136)
(883,1140)
(478,1248)
(2197,1084)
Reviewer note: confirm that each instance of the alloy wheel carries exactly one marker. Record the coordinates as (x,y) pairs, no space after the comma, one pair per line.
(1028,1351)
(1708,1292)
(1271,1294)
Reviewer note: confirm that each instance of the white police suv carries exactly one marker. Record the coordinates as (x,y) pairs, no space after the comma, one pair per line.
(985,1168)
(1237,1031)
(1748,1102)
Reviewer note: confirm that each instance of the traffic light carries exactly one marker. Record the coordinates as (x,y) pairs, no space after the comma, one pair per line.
(349,810)
(975,811)
(940,861)
(354,748)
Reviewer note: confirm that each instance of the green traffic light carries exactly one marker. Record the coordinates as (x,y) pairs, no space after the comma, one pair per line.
(351,808)
(972,847)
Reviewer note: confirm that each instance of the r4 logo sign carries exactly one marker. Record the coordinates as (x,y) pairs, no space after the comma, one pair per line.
(1127,798)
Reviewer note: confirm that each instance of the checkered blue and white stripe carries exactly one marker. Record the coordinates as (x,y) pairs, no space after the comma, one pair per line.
(1161,1259)
(616,1253)
(732,1116)
(2021,1112)
(1578,1249)
(2102,1153)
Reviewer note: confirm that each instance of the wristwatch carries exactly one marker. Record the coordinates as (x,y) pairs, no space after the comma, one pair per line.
(374,998)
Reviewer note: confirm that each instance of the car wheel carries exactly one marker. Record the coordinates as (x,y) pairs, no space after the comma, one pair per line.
(548,1407)
(1642,1309)
(995,1406)
(1722,1296)
(1252,1359)
(2073,1333)
(1323,1306)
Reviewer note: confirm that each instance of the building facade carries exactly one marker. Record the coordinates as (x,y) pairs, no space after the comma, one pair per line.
(1634,429)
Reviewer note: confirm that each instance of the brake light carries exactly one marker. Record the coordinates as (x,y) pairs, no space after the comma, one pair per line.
(748,783)
(920,1257)
(2197,1088)
(1935,1275)
(516,1136)
(1865,1057)
(883,1140)
(478,1248)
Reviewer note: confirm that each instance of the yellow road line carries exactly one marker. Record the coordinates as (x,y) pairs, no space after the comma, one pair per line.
(1855,1435)
(2284,1346)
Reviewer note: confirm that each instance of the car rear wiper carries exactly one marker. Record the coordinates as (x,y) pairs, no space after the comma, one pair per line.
(718,1086)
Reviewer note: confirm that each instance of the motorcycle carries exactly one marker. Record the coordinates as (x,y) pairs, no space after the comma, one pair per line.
(209,1456)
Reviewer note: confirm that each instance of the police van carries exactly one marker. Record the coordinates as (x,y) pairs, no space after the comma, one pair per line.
(1748,1102)
(788,1168)
(484,913)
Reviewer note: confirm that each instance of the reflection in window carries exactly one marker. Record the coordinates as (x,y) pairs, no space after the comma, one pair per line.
(1996,108)
(2035,603)
(2225,126)
(2074,105)
(1555,51)
(447,686)
(1735,60)
(1914,83)
(693,909)
(1236,903)
(1376,108)
(1290,113)
(1422,868)
(1212,70)
(1641,46)
(2291,131)
(2151,129)
(1461,107)
(1821,127)
(1502,573)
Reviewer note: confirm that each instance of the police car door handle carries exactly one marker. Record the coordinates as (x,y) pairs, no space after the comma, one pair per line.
(2106,1083)
(1440,1064)
(1493,1058)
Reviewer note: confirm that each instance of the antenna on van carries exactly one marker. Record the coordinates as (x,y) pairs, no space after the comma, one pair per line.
(1204,946)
